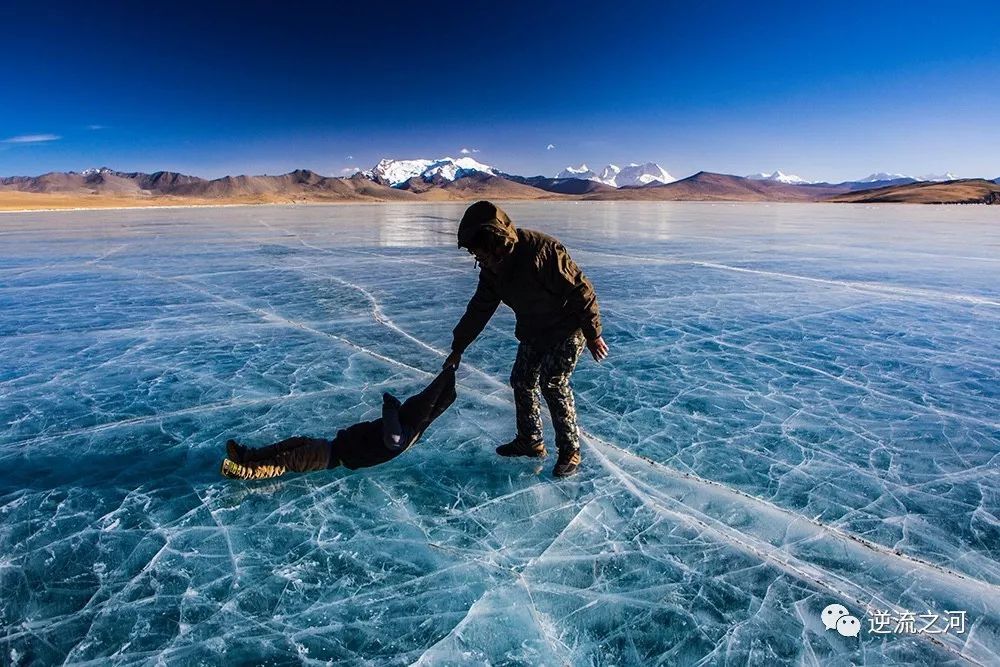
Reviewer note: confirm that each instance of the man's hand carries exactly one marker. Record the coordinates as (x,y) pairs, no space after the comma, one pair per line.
(598,348)
(453,360)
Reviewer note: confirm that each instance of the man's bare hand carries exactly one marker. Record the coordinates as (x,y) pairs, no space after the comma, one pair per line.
(453,360)
(598,348)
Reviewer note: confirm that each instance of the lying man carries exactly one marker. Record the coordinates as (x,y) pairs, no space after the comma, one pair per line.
(358,446)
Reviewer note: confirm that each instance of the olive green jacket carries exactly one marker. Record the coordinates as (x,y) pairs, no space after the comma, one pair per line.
(550,296)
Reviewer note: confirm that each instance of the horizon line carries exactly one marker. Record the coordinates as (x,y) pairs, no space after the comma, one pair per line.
(345,176)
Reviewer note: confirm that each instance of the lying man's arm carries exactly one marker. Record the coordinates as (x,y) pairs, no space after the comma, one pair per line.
(395,435)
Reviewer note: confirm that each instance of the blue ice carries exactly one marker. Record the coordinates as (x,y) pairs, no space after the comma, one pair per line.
(801,407)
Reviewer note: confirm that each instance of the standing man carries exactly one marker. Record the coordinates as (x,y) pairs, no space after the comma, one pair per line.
(556,311)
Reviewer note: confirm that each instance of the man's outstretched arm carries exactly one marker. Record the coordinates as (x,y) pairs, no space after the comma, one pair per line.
(481,307)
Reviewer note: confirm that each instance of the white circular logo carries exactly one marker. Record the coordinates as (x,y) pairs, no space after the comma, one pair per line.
(848,626)
(832,614)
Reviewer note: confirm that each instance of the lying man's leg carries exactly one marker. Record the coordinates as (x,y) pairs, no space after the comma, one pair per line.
(297,454)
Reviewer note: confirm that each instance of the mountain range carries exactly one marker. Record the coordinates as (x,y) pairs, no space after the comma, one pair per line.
(633,175)
(778,177)
(395,173)
(461,179)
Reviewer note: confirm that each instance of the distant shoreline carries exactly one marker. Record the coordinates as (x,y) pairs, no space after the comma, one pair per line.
(83,209)
(146,207)
(22,202)
(52,204)
(179,205)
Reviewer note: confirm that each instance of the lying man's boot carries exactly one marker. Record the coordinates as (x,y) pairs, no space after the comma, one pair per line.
(569,461)
(235,451)
(518,447)
(235,470)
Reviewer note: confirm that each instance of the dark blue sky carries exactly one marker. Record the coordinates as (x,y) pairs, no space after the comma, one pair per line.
(251,87)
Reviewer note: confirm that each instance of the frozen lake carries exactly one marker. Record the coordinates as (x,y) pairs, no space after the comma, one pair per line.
(801,407)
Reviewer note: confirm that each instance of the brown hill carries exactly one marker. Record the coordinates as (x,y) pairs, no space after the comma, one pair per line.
(563,186)
(487,186)
(365,188)
(164,181)
(417,185)
(964,191)
(708,186)
(299,185)
(52,182)
(112,183)
(474,186)
(104,182)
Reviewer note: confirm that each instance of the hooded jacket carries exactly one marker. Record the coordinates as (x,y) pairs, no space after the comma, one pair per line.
(550,296)
(361,445)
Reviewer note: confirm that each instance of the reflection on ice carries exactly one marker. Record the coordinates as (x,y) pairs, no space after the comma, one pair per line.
(801,409)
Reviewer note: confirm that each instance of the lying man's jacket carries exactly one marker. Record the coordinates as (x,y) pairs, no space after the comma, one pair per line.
(363,445)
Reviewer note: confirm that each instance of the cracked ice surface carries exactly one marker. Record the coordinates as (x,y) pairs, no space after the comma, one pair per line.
(802,407)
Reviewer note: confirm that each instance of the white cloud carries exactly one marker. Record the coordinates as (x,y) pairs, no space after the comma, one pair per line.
(349,157)
(97,127)
(31,138)
(349,170)
(466,151)
(550,147)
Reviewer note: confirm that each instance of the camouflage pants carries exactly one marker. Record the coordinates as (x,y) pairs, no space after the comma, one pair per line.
(547,370)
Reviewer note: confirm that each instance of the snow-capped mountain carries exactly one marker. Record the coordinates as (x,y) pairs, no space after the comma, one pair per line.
(643,174)
(396,172)
(582,172)
(631,175)
(93,171)
(882,176)
(609,175)
(779,177)
(931,178)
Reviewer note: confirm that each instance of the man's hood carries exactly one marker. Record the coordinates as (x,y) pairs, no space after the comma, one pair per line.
(483,215)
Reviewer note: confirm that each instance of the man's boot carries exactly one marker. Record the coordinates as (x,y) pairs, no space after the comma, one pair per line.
(518,447)
(234,470)
(569,461)
(235,451)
